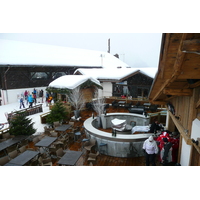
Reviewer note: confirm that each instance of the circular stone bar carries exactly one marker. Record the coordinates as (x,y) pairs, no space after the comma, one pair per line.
(123,145)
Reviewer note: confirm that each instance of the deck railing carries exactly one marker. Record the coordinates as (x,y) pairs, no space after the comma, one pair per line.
(26,112)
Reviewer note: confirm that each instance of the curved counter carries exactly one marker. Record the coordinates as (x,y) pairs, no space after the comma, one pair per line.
(123,145)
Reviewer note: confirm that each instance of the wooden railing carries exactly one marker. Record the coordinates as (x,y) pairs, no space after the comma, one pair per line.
(5,130)
(26,111)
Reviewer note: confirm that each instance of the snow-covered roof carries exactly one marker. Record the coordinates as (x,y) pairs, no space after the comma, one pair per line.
(72,81)
(116,74)
(25,53)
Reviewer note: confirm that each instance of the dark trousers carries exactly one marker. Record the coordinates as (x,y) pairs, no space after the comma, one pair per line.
(150,159)
(22,104)
(30,104)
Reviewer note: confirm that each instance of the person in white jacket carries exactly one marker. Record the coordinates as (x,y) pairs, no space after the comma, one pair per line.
(151,149)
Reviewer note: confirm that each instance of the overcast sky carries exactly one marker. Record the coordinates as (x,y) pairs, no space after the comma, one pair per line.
(135,49)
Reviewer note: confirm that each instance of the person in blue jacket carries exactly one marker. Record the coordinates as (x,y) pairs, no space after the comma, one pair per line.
(30,100)
(21,103)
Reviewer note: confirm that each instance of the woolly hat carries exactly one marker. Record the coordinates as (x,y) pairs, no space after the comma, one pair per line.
(151,138)
(165,140)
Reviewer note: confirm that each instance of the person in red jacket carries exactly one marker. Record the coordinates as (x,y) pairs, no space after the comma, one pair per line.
(161,142)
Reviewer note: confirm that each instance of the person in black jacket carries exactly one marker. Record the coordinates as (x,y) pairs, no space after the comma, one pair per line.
(167,152)
(154,127)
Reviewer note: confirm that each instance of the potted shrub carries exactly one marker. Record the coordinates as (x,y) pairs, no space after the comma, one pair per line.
(21,125)
(58,113)
(76,99)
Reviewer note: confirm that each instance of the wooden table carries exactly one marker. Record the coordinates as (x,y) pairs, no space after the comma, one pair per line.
(23,158)
(62,129)
(46,142)
(70,158)
(10,142)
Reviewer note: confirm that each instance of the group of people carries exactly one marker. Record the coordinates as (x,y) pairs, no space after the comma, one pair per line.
(165,145)
(31,98)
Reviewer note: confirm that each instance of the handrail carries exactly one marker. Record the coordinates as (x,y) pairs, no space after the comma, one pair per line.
(26,111)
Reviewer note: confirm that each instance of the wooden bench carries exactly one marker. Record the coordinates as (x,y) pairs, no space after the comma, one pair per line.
(43,117)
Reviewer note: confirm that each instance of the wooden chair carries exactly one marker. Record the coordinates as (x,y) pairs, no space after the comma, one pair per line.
(60,153)
(71,135)
(44,162)
(92,157)
(53,148)
(36,140)
(72,124)
(47,130)
(2,140)
(7,136)
(23,143)
(64,142)
(56,124)
(22,149)
(40,137)
(4,160)
(13,154)
(53,134)
(11,148)
(89,144)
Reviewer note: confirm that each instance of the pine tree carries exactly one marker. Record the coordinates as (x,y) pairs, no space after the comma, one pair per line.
(58,113)
(21,125)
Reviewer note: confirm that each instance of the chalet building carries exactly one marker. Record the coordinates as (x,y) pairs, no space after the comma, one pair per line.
(132,82)
(30,65)
(63,85)
(177,86)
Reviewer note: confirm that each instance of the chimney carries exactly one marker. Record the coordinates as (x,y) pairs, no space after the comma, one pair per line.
(109,45)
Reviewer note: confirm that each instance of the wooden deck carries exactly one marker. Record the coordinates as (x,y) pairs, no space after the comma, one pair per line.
(102,160)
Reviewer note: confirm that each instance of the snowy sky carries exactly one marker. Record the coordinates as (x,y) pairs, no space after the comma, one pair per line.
(135,49)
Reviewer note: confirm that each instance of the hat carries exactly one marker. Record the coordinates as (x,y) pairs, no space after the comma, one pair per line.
(151,138)
(165,139)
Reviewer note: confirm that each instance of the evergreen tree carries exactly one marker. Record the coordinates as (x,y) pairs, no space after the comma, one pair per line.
(21,125)
(58,113)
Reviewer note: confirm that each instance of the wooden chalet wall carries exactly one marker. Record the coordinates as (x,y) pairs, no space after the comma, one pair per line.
(138,85)
(14,77)
(178,82)
(183,118)
(185,114)
(88,94)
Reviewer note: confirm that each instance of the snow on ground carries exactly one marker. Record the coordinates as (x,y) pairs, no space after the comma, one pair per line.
(15,107)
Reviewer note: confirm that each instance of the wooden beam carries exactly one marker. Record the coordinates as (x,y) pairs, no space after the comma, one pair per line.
(158,102)
(176,67)
(196,147)
(191,46)
(194,85)
(178,92)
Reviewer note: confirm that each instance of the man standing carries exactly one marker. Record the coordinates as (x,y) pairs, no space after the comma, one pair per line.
(155,127)
(166,152)
(151,149)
